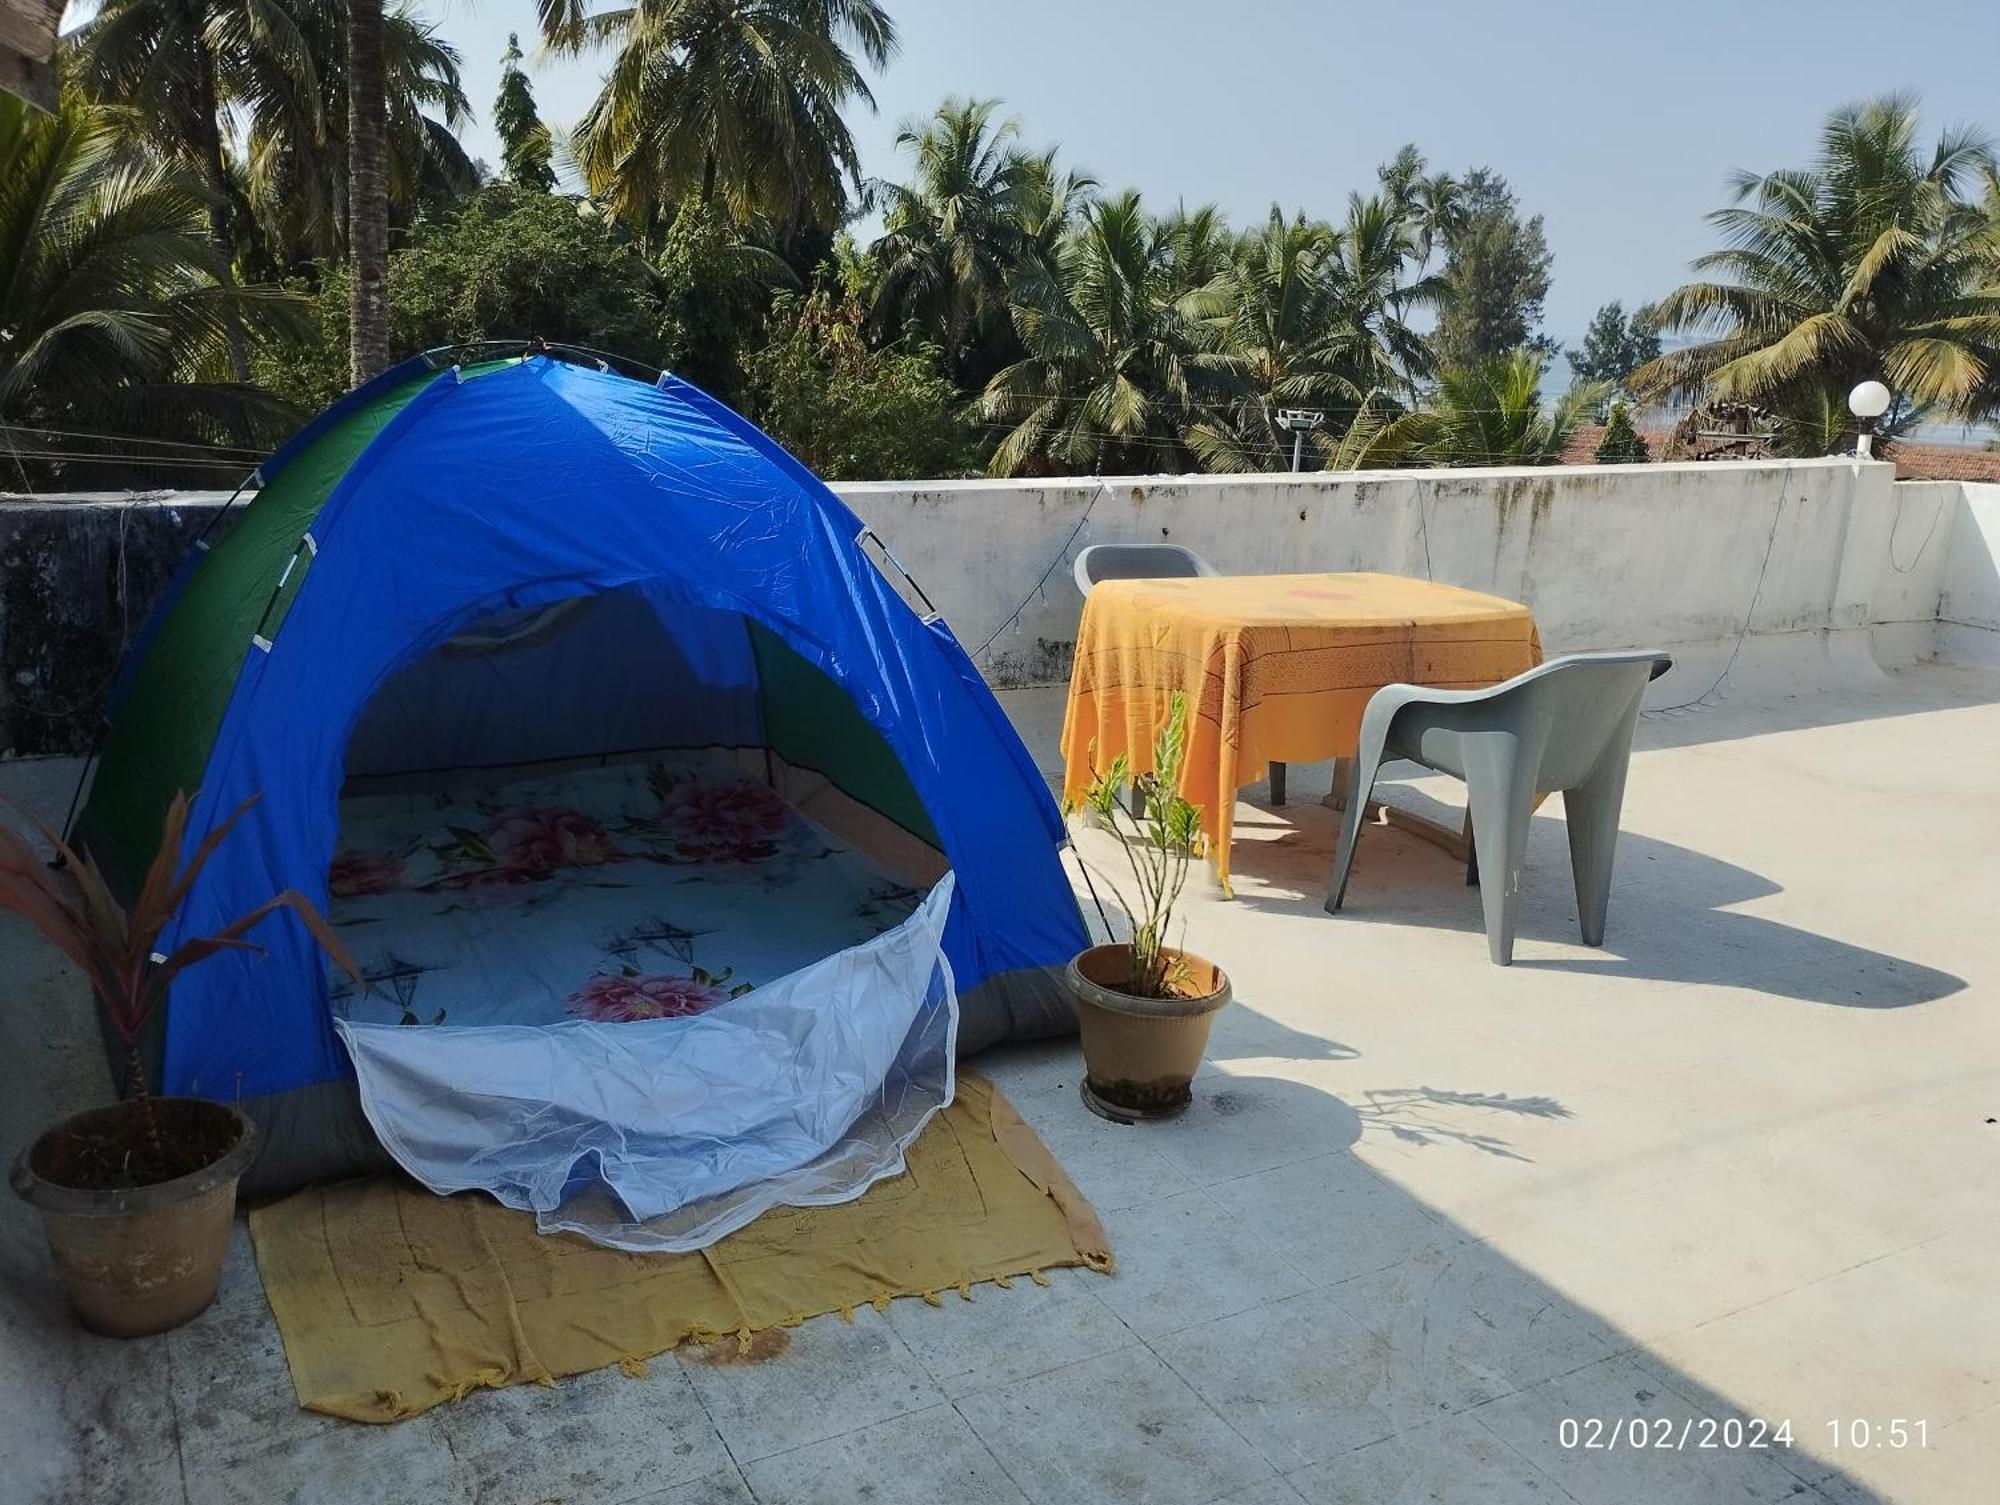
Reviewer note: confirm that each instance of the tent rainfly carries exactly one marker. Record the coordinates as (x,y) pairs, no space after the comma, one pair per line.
(680,855)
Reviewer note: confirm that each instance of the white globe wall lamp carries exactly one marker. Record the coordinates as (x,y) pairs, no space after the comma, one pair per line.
(1868,402)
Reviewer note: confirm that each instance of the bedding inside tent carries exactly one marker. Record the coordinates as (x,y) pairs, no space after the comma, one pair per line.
(573,869)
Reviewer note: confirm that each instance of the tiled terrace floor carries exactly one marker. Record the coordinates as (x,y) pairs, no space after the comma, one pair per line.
(1741,1163)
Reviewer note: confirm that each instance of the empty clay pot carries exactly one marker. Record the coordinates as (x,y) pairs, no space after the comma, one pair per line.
(1140,1054)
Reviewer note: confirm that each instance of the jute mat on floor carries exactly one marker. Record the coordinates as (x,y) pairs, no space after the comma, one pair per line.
(391,1300)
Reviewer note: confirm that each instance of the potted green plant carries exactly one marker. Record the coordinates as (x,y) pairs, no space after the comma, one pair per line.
(1144,1008)
(136,1198)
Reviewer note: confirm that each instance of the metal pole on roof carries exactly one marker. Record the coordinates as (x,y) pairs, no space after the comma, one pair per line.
(1299,420)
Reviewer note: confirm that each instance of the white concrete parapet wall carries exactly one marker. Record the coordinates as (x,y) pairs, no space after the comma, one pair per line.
(1791,573)
(1780,575)
(1969,606)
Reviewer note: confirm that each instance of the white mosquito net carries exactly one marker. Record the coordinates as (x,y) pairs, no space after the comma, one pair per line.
(665,1134)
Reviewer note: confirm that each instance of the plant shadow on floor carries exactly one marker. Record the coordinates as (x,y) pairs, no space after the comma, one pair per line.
(1667,917)
(1423,1116)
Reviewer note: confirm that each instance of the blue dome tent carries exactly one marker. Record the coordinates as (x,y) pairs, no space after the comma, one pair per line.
(677,849)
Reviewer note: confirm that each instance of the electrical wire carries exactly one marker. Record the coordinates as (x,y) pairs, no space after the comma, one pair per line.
(1013,618)
(1749,615)
(1896,527)
(234,467)
(130,440)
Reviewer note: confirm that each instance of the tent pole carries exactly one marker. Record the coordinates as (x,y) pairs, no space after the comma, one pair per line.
(890,555)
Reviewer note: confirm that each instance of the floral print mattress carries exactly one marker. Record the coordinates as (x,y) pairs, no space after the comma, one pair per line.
(634,891)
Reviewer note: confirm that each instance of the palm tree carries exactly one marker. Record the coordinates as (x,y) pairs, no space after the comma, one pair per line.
(367,192)
(731,100)
(1385,354)
(1113,376)
(1274,316)
(113,299)
(1432,204)
(194,71)
(295,134)
(1873,262)
(953,235)
(1052,200)
(1489,412)
(169,62)
(1200,247)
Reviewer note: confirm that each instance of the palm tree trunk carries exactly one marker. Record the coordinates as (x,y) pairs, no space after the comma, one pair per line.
(221,199)
(367,192)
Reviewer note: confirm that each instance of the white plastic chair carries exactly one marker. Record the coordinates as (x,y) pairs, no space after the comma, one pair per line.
(1564,726)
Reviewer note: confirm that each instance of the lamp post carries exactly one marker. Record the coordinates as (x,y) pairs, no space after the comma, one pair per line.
(1867,402)
(1299,420)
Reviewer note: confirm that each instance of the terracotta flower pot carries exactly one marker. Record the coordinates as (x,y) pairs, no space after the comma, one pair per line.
(1140,1054)
(141,1259)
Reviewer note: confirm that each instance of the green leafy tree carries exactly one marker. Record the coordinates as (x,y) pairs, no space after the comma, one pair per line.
(525,148)
(1490,412)
(1113,376)
(1614,346)
(1053,199)
(194,77)
(114,313)
(1622,444)
(736,102)
(715,286)
(1199,247)
(1874,262)
(851,412)
(1496,274)
(1311,316)
(508,264)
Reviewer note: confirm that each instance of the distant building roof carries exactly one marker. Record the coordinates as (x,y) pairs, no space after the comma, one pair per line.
(27,43)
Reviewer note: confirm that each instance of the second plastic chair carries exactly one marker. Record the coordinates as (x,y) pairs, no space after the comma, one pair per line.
(1136,561)
(1565,726)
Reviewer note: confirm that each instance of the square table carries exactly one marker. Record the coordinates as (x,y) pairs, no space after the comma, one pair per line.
(1276,668)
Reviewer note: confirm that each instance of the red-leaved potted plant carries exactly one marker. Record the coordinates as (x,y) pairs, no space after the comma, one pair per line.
(136,1198)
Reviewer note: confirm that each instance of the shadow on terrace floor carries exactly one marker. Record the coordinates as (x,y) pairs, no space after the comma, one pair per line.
(1377,1349)
(1668,921)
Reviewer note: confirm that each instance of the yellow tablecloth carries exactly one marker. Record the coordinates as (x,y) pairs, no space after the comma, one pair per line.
(1275,668)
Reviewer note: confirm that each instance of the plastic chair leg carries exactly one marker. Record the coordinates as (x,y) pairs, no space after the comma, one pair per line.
(1360,785)
(1591,812)
(1500,790)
